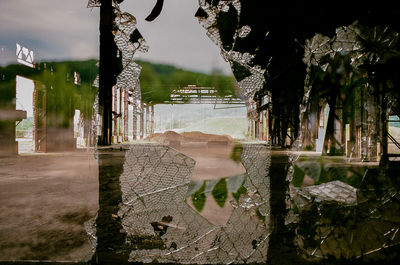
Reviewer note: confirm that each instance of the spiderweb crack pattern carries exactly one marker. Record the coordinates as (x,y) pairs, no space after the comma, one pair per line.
(254,79)
(128,40)
(161,227)
(337,220)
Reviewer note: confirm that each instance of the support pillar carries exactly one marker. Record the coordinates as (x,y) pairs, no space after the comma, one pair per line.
(252,128)
(107,70)
(134,116)
(126,115)
(115,108)
(120,116)
(111,238)
(141,120)
(152,120)
(147,121)
(261,129)
(267,125)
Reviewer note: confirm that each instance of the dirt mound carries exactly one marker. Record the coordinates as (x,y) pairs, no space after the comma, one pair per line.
(205,137)
(168,136)
(171,136)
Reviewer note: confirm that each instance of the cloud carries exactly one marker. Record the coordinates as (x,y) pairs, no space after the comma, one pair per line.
(52,28)
(59,29)
(176,36)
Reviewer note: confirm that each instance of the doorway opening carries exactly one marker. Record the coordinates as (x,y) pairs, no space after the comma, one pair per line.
(24,101)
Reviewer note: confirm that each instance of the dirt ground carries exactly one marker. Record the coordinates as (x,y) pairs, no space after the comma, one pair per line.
(44,201)
(46,198)
(213,163)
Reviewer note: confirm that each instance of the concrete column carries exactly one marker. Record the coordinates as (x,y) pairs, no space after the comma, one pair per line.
(126,115)
(141,120)
(147,126)
(152,120)
(134,116)
(120,115)
(115,109)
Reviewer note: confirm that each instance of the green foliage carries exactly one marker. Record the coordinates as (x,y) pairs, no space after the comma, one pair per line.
(239,192)
(218,188)
(334,151)
(325,170)
(55,82)
(157,81)
(237,152)
(25,124)
(220,193)
(235,185)
(63,96)
(298,177)
(199,198)
(193,187)
(260,216)
(308,148)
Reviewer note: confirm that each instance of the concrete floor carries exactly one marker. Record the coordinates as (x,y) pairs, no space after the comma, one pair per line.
(46,198)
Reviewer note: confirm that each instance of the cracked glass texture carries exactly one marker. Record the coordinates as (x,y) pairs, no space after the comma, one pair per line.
(344,209)
(337,220)
(353,40)
(154,182)
(329,219)
(125,25)
(93,3)
(255,80)
(129,76)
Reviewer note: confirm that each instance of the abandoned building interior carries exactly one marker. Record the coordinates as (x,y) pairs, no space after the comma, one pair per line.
(292,157)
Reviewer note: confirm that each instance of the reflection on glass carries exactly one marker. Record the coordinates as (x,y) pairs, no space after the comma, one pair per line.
(292,159)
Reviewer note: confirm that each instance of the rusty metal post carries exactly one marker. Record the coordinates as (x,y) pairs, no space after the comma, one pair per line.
(115,108)
(126,115)
(134,116)
(252,128)
(147,121)
(152,120)
(141,120)
(385,126)
(120,116)
(267,124)
(261,125)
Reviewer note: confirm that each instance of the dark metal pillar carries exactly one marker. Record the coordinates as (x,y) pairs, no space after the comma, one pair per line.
(107,70)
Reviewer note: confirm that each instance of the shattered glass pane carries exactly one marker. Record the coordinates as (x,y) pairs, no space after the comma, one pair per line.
(250,77)
(335,209)
(93,3)
(128,45)
(306,173)
(154,183)
(244,31)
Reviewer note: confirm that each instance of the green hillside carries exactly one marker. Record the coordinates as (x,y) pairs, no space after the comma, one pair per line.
(157,81)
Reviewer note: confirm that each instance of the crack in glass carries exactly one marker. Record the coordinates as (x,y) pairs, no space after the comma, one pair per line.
(162,227)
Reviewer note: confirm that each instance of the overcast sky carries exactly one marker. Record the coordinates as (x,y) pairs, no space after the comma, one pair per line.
(66,29)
